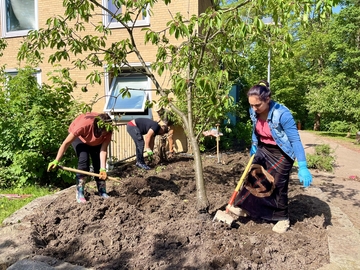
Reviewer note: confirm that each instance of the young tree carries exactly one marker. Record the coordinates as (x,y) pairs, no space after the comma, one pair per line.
(212,47)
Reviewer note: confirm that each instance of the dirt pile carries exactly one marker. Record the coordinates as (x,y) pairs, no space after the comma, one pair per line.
(150,222)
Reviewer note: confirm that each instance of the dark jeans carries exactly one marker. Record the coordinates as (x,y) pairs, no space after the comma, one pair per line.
(84,152)
(135,134)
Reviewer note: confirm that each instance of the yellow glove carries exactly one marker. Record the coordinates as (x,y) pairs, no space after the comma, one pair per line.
(103,174)
(52,165)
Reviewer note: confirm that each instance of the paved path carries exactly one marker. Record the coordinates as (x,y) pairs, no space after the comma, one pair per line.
(343,196)
(347,160)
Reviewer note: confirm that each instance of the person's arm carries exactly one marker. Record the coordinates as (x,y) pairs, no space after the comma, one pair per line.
(254,139)
(103,154)
(152,142)
(291,131)
(149,139)
(64,146)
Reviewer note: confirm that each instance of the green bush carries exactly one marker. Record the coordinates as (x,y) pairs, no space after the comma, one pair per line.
(34,122)
(237,137)
(234,137)
(341,126)
(323,159)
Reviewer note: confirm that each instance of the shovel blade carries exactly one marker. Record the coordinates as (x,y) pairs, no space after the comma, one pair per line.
(222,216)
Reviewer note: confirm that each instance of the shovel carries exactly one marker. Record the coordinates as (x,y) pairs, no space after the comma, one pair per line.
(87,173)
(223,215)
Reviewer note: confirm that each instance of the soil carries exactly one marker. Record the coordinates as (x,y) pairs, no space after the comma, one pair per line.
(151,222)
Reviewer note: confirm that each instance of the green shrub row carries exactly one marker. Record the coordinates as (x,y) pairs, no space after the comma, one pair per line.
(34,121)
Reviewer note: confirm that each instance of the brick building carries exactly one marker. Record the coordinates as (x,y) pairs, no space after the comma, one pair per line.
(20,16)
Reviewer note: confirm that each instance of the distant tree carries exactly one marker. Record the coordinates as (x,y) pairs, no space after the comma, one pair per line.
(320,82)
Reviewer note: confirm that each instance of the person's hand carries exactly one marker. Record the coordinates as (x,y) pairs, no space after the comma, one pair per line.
(52,165)
(304,174)
(103,174)
(253,149)
(149,152)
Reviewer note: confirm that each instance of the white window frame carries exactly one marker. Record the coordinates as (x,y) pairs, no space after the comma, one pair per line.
(16,33)
(144,22)
(116,113)
(13,72)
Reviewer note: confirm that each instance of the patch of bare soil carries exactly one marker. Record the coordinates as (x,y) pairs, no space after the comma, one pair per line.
(150,222)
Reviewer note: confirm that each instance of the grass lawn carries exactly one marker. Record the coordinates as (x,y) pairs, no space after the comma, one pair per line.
(343,139)
(9,206)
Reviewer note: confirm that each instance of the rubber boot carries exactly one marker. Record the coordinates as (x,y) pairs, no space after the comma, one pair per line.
(101,185)
(80,189)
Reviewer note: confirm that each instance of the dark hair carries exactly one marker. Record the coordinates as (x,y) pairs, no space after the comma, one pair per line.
(165,128)
(261,90)
(102,122)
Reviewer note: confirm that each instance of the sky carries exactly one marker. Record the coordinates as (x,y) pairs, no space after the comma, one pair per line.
(336,9)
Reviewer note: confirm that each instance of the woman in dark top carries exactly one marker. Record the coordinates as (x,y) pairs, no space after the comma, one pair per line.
(139,127)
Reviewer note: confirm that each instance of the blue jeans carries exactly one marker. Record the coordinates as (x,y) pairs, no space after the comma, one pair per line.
(138,139)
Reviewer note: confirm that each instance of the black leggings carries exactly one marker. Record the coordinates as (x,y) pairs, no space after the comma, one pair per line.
(84,152)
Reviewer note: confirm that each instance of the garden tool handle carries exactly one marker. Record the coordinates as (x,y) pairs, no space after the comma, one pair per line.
(87,173)
(240,183)
(247,168)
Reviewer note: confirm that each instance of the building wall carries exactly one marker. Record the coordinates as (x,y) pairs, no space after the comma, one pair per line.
(161,15)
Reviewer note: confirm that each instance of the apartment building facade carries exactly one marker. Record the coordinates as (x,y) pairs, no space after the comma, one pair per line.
(18,17)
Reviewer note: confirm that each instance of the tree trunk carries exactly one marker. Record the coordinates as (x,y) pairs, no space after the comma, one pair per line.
(317,122)
(202,203)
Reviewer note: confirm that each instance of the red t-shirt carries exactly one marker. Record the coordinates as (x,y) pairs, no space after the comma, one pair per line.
(263,129)
(83,127)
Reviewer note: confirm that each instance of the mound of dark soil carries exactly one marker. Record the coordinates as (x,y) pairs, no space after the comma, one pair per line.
(150,222)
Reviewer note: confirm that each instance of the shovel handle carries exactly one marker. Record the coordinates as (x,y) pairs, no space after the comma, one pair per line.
(240,183)
(247,168)
(87,173)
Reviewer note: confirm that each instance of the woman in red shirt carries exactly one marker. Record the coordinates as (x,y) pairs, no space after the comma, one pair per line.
(89,138)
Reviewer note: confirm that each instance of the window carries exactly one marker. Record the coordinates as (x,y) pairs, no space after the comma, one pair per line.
(18,17)
(128,107)
(113,23)
(14,72)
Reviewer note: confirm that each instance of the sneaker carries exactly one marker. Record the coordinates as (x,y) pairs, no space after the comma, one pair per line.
(104,195)
(143,166)
(237,211)
(281,226)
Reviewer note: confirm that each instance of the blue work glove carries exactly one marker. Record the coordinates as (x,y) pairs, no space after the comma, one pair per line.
(304,174)
(253,149)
